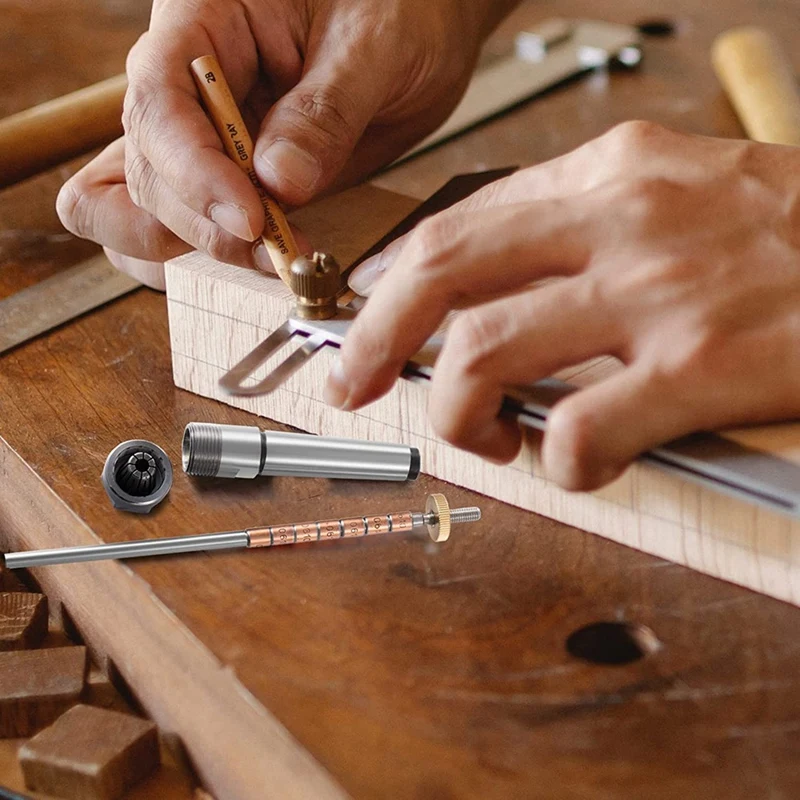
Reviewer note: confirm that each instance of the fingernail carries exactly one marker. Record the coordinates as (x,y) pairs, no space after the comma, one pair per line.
(363,277)
(232,219)
(336,389)
(262,259)
(288,162)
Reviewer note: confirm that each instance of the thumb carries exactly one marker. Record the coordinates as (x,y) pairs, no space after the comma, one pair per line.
(309,134)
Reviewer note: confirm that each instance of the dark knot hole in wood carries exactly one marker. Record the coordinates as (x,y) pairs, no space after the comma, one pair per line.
(612,643)
(657,27)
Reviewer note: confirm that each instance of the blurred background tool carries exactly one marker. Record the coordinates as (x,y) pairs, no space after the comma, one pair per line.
(759,79)
(544,56)
(56,131)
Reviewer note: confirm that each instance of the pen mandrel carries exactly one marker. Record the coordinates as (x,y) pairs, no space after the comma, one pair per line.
(315,281)
(438,517)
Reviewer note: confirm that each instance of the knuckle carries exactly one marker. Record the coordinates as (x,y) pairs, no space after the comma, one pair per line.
(212,240)
(705,352)
(140,179)
(644,199)
(137,109)
(574,433)
(432,246)
(324,112)
(636,134)
(474,338)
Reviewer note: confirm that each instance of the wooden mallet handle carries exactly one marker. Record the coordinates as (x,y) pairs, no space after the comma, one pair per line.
(760,83)
(53,132)
(221,107)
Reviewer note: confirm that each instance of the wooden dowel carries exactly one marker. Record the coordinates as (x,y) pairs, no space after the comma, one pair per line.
(221,107)
(760,82)
(53,132)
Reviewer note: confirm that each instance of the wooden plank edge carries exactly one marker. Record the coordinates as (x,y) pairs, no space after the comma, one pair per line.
(240,750)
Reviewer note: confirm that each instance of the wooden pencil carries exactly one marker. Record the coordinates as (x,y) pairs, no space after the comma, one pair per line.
(221,107)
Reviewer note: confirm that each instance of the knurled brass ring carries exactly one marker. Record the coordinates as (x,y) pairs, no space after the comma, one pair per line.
(437,505)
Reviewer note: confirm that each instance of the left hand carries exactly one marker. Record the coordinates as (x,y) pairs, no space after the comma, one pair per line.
(679,255)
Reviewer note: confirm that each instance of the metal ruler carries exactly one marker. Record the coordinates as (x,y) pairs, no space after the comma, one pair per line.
(60,298)
(544,57)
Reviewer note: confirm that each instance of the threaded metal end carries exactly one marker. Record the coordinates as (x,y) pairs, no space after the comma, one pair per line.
(460,515)
(202,449)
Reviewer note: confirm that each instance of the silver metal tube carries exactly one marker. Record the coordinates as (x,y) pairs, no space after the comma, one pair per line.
(145,547)
(238,451)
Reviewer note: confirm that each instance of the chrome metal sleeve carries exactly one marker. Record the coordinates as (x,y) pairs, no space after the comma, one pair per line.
(299,454)
(233,451)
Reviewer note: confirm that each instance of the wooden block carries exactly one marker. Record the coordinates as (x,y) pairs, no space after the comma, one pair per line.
(9,582)
(101,692)
(218,313)
(23,620)
(90,754)
(36,686)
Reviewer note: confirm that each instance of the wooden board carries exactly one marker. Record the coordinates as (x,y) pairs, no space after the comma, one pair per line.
(219,313)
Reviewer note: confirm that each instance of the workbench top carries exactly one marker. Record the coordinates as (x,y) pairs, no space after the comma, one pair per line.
(398,670)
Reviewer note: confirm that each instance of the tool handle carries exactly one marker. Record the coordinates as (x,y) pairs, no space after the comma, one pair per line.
(760,82)
(53,132)
(221,107)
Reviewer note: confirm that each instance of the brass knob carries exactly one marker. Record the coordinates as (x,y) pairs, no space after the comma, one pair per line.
(437,517)
(315,281)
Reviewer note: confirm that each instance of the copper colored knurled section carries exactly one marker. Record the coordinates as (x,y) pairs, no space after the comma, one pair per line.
(330,529)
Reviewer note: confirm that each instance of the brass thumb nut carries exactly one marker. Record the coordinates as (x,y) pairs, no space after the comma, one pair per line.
(439,530)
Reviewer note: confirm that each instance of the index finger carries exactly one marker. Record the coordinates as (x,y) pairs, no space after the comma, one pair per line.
(165,122)
(453,260)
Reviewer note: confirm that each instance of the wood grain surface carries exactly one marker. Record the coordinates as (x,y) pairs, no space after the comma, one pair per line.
(401,671)
(23,620)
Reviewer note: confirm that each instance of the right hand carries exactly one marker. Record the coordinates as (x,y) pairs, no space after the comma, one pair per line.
(335,89)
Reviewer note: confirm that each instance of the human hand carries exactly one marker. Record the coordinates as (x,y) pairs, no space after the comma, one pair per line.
(679,255)
(335,89)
